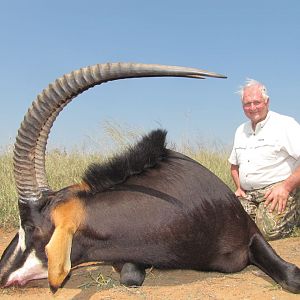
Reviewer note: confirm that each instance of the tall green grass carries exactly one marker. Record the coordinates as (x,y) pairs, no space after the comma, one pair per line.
(8,193)
(66,168)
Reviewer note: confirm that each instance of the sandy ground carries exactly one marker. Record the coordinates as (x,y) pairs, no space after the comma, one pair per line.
(100,282)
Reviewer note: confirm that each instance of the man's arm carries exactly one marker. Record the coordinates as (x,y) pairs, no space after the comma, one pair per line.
(279,193)
(236,178)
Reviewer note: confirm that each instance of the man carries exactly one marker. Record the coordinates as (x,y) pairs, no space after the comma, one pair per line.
(265,164)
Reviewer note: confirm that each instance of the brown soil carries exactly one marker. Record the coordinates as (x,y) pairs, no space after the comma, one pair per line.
(101,282)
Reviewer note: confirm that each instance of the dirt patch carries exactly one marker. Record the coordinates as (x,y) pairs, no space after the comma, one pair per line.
(100,282)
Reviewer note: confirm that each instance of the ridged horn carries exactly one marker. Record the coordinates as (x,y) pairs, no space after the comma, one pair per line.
(31,141)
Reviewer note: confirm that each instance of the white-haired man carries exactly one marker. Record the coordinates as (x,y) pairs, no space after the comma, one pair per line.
(265,164)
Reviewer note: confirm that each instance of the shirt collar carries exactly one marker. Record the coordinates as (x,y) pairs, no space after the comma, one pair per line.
(263,122)
(259,125)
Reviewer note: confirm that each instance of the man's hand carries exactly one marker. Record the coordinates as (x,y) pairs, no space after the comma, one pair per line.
(277,195)
(240,193)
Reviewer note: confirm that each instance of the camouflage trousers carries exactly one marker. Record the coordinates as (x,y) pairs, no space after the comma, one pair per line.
(271,224)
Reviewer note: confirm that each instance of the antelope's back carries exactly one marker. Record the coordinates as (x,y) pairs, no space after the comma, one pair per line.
(176,214)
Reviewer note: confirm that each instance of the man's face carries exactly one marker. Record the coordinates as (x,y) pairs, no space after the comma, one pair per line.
(255,106)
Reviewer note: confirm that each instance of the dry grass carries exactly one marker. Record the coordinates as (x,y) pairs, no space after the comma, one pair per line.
(216,160)
(8,193)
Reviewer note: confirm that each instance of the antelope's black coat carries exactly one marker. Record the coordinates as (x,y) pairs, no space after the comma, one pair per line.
(153,206)
(161,208)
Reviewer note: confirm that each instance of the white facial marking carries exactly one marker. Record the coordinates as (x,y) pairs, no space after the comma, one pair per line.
(14,254)
(21,243)
(32,269)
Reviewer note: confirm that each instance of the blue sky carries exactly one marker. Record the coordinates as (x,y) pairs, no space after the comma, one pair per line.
(42,40)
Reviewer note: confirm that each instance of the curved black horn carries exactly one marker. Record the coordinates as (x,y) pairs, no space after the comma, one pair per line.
(29,153)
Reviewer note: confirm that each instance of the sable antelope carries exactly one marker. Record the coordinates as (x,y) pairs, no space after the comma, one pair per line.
(149,206)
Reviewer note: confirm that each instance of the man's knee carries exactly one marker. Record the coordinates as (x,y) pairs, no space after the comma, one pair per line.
(273,225)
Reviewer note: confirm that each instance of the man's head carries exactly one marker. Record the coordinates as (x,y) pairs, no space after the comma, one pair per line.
(255,101)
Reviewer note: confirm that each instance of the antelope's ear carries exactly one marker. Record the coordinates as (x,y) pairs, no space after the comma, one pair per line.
(58,251)
(66,218)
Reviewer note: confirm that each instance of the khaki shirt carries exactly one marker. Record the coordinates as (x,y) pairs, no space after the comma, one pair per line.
(269,154)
